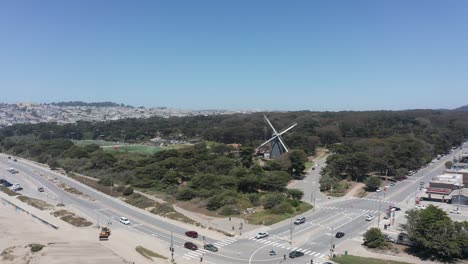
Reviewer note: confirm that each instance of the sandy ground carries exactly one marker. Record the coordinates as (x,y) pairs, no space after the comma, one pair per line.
(68,244)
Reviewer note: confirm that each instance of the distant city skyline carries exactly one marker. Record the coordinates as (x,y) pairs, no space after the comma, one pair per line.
(266,55)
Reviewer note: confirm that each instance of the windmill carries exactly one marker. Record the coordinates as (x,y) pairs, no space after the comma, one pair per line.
(278,147)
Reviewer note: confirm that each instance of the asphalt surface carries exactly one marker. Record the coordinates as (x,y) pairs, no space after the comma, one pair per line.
(314,238)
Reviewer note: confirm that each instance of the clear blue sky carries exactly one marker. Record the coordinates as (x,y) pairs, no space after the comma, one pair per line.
(276,55)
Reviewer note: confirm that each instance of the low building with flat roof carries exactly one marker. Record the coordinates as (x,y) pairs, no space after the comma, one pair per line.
(463,172)
(452,181)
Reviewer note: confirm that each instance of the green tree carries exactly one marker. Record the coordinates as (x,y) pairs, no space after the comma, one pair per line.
(298,159)
(374,238)
(246,156)
(373,183)
(434,234)
(327,182)
(295,194)
(448,164)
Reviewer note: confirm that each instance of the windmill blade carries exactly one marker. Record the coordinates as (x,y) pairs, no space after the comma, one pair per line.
(266,142)
(268,121)
(282,143)
(287,129)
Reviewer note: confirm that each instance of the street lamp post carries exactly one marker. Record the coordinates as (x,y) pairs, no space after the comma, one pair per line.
(331,243)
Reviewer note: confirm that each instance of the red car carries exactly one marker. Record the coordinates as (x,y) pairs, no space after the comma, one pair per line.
(190,245)
(193,234)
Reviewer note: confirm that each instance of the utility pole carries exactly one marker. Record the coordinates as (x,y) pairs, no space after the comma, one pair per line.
(314,200)
(378,216)
(172,248)
(459,191)
(291,233)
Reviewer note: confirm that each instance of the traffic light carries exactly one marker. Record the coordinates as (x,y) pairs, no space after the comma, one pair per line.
(284,256)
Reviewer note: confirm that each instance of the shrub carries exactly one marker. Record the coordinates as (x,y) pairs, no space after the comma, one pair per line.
(107,181)
(254,198)
(226,210)
(270,200)
(214,203)
(36,247)
(186,194)
(283,208)
(294,203)
(128,191)
(295,194)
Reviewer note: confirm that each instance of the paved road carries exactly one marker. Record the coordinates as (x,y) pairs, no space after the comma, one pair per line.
(314,238)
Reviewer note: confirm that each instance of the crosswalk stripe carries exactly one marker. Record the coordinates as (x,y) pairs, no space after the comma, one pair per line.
(316,255)
(307,252)
(311,254)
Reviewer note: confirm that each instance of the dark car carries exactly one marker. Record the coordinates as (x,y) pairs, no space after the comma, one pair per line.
(396,208)
(339,235)
(40,189)
(14,160)
(296,254)
(211,247)
(190,245)
(193,234)
(7,183)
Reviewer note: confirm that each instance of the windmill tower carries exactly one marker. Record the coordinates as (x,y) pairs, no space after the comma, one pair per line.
(278,147)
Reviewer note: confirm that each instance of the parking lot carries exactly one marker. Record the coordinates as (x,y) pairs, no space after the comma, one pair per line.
(29,185)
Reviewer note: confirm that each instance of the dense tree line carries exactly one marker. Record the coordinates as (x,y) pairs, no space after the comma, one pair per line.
(362,143)
(218,175)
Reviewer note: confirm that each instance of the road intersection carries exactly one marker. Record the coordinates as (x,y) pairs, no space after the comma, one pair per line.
(314,238)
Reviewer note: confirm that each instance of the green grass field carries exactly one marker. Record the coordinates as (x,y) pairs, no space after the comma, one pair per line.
(349,259)
(86,142)
(123,148)
(134,148)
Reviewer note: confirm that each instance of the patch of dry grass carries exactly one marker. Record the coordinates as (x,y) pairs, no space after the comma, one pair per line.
(71,218)
(39,204)
(148,253)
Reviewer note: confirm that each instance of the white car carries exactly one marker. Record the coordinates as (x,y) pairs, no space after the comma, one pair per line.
(261,235)
(455,211)
(124,220)
(420,206)
(370,217)
(378,190)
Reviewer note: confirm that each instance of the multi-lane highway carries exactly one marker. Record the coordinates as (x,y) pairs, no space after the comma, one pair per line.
(314,238)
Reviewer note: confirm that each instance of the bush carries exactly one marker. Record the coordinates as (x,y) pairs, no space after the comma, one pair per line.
(107,181)
(214,203)
(227,210)
(270,200)
(128,191)
(283,208)
(186,194)
(295,194)
(254,198)
(36,247)
(119,188)
(294,203)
